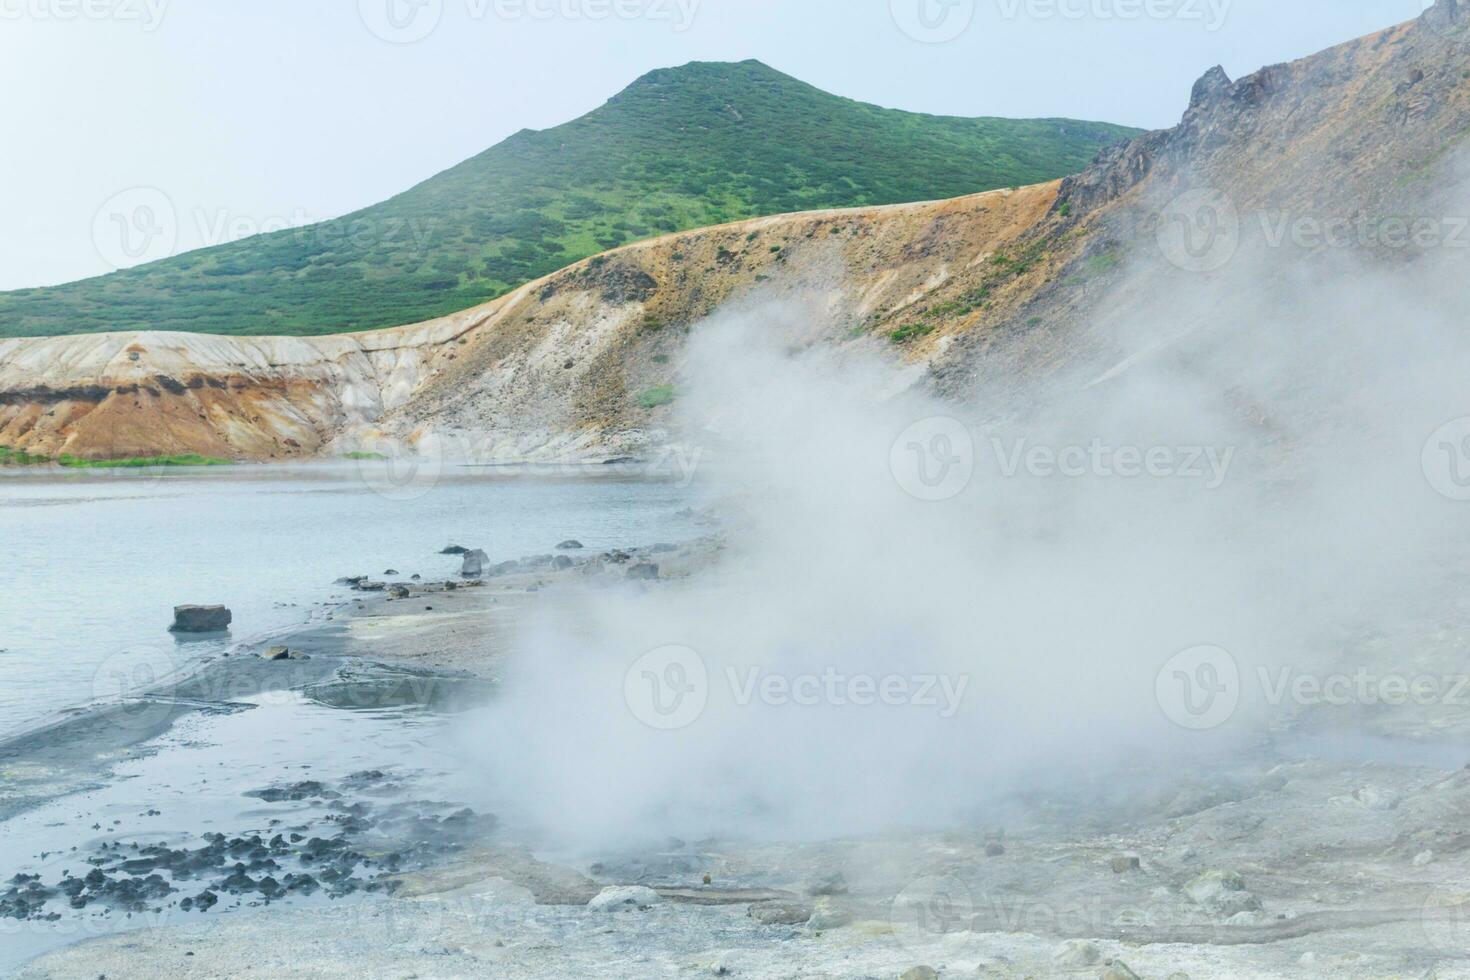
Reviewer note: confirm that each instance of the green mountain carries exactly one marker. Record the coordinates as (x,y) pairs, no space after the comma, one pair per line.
(680,148)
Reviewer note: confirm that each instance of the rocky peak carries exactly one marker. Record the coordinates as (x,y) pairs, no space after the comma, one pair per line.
(1213,83)
(1449,18)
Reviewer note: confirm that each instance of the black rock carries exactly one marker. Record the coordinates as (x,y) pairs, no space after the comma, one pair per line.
(201,619)
(569,546)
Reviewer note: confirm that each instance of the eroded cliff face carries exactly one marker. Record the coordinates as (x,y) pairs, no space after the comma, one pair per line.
(134,394)
(561,368)
(976,296)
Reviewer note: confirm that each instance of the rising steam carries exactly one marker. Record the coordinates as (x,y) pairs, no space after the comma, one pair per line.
(1041,602)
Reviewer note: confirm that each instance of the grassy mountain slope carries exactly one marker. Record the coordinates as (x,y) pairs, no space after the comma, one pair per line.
(681,148)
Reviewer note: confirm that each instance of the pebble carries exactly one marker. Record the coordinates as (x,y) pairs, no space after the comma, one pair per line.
(830,884)
(1077,953)
(622,899)
(826,915)
(779,914)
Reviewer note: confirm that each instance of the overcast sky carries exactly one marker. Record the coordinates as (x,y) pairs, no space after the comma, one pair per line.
(252,114)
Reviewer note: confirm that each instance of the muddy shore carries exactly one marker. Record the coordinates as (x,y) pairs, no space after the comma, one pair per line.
(406,649)
(1280,863)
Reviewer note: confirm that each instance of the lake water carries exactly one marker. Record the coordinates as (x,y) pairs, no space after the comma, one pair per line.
(94,562)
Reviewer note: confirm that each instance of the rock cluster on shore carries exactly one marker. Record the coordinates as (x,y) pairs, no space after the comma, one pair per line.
(361,847)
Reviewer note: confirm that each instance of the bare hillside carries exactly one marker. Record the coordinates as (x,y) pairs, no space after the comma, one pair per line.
(996,290)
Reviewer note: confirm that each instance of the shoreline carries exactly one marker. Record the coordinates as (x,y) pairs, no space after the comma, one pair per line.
(1218,873)
(426,648)
(408,653)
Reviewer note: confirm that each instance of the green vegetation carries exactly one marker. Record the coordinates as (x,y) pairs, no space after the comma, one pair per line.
(681,148)
(1101,264)
(15,457)
(910,331)
(1003,267)
(361,456)
(657,395)
(141,462)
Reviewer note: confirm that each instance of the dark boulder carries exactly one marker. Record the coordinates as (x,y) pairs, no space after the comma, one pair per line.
(201,619)
(474,564)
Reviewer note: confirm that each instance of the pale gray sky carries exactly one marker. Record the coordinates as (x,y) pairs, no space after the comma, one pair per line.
(252,114)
